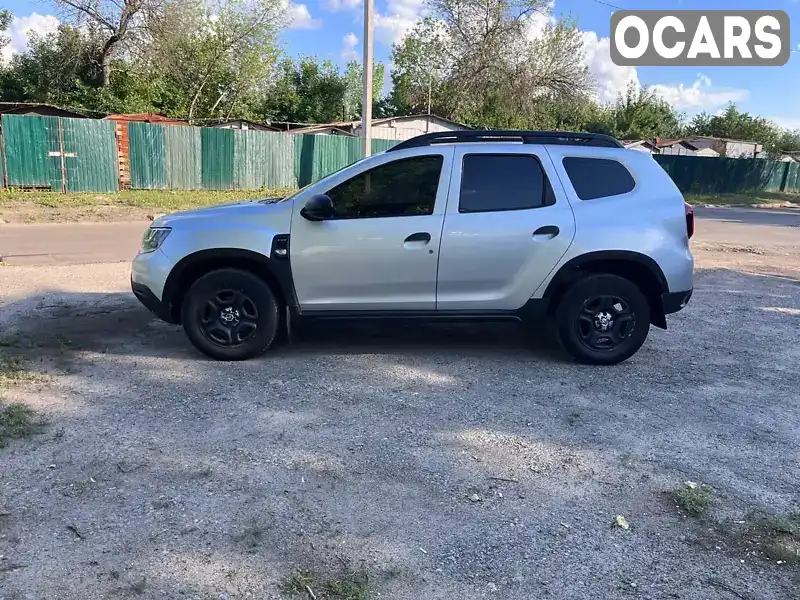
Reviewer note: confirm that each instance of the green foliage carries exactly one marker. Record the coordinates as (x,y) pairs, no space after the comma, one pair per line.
(5,22)
(694,498)
(16,421)
(738,125)
(307,91)
(310,91)
(640,114)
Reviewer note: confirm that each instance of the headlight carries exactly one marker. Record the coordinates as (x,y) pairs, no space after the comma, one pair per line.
(153,238)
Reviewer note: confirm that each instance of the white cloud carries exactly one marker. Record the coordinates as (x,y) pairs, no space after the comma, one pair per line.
(299,17)
(349,43)
(700,95)
(536,22)
(20,31)
(791,123)
(611,79)
(337,5)
(399,19)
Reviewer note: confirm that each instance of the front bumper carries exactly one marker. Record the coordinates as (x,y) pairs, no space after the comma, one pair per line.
(672,302)
(151,301)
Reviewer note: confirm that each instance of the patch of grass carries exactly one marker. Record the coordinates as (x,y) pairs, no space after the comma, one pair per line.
(16,421)
(205,470)
(162,502)
(157,200)
(742,198)
(251,536)
(776,538)
(12,370)
(694,498)
(138,587)
(347,585)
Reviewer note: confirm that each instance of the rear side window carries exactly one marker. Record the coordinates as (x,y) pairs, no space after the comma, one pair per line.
(496,182)
(598,177)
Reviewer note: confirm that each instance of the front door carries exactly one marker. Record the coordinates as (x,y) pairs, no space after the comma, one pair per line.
(380,251)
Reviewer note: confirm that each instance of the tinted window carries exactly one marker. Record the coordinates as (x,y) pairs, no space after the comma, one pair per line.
(402,188)
(598,177)
(491,182)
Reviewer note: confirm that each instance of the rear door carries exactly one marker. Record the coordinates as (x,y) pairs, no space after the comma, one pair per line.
(506,226)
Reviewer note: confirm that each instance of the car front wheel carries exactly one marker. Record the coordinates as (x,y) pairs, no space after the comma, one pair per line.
(603,319)
(230,314)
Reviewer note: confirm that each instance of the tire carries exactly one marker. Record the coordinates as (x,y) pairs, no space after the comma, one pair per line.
(602,319)
(230,314)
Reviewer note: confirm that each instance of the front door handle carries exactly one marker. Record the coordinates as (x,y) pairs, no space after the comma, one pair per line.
(547,232)
(419,237)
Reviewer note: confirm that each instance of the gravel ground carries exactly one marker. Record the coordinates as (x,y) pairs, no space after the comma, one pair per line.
(442,462)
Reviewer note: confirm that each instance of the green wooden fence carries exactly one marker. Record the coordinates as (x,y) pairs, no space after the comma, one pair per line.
(80,155)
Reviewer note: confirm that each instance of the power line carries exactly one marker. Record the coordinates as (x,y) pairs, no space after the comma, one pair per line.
(607,4)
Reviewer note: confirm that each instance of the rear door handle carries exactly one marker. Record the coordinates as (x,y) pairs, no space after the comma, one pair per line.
(547,232)
(419,237)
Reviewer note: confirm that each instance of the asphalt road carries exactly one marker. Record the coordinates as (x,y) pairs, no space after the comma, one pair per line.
(70,243)
(110,242)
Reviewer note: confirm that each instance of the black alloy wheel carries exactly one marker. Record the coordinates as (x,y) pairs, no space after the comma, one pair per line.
(230,314)
(604,322)
(602,319)
(229,318)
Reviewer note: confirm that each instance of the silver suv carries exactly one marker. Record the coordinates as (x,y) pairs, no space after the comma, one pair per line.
(529,226)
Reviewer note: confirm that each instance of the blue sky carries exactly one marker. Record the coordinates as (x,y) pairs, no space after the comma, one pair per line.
(332,29)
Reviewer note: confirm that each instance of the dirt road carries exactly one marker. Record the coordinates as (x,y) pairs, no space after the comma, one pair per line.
(432,462)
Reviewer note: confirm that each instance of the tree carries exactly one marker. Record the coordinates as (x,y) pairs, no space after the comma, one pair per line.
(640,115)
(116,20)
(5,22)
(738,125)
(489,62)
(306,91)
(354,90)
(217,54)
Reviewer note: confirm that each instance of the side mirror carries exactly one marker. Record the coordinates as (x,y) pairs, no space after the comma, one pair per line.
(318,208)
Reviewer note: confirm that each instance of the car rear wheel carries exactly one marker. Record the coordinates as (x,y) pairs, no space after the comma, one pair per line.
(230,314)
(603,319)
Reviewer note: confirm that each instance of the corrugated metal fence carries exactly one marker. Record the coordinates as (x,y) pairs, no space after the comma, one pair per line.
(699,175)
(70,155)
(76,155)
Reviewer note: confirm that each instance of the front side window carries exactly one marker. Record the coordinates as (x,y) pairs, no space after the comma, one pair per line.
(598,177)
(402,188)
(498,182)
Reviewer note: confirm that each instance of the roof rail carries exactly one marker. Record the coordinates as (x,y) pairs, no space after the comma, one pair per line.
(562,138)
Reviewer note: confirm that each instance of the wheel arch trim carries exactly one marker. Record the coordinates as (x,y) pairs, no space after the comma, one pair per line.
(567,269)
(279,268)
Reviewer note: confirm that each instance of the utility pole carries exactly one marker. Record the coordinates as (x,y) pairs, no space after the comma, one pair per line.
(366,105)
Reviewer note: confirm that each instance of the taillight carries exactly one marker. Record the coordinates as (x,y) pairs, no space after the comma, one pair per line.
(689,219)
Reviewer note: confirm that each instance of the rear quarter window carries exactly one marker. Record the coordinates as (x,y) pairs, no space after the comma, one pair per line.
(598,177)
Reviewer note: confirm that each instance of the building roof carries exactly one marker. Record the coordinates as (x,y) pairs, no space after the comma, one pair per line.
(719,139)
(332,128)
(345,126)
(147,118)
(630,143)
(659,143)
(21,108)
(253,124)
(407,117)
